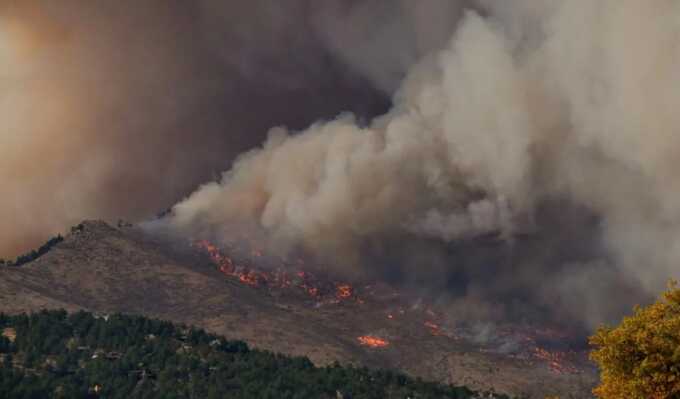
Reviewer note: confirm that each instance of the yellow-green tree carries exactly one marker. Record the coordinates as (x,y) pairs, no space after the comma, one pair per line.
(640,358)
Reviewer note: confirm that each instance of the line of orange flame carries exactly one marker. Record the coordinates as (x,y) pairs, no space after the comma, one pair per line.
(279,278)
(372,341)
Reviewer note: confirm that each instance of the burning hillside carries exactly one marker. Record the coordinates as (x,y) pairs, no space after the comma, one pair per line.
(284,276)
(291,308)
(500,165)
(540,345)
(466,179)
(394,139)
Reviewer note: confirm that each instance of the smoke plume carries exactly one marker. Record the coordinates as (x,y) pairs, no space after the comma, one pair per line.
(118,110)
(553,127)
(528,156)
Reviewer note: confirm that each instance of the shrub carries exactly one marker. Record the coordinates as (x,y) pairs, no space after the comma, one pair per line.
(640,358)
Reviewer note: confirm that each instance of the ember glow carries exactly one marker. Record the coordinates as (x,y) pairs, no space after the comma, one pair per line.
(373,342)
(226,266)
(434,328)
(557,361)
(344,291)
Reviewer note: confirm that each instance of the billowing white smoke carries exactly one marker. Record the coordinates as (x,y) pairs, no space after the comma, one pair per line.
(575,100)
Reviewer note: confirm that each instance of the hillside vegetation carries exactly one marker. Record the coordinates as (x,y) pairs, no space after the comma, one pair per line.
(82,355)
(33,254)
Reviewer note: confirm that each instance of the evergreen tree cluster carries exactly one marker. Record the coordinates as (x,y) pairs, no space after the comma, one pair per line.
(34,254)
(53,354)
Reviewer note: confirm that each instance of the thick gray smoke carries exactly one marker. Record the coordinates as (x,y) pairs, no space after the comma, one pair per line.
(554,126)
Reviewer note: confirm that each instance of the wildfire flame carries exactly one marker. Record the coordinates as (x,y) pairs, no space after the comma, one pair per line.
(279,278)
(372,341)
(556,361)
(343,291)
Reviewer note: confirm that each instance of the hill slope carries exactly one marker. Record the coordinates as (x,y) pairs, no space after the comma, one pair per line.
(52,354)
(105,269)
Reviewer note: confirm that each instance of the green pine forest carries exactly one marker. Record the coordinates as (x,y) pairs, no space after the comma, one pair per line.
(53,354)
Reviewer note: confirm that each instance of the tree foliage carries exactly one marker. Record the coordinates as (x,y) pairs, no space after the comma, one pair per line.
(33,254)
(640,358)
(81,355)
